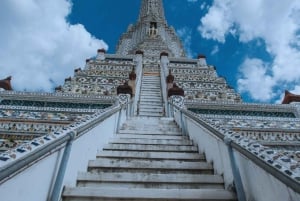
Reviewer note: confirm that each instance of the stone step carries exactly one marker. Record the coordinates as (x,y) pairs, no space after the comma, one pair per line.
(150,99)
(155,81)
(146,89)
(151,78)
(147,102)
(150,93)
(147,147)
(152,96)
(152,110)
(147,94)
(152,82)
(146,165)
(149,180)
(151,132)
(151,141)
(157,98)
(154,121)
(153,106)
(138,136)
(150,102)
(150,85)
(151,155)
(140,194)
(147,114)
(149,128)
(139,126)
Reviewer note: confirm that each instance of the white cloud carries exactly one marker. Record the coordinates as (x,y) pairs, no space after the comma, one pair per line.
(215,50)
(275,22)
(185,34)
(203,6)
(39,48)
(256,80)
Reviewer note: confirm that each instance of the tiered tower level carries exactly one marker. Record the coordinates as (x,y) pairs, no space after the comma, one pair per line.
(149,63)
(152,37)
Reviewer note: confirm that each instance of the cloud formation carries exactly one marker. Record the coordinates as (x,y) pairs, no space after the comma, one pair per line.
(185,34)
(277,24)
(39,48)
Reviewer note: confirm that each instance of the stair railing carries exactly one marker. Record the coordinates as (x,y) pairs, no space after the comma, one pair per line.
(139,77)
(228,151)
(163,74)
(56,150)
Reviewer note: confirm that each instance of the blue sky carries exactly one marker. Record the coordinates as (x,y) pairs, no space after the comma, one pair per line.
(254,44)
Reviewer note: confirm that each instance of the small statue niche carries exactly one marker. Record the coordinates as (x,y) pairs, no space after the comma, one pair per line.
(153,29)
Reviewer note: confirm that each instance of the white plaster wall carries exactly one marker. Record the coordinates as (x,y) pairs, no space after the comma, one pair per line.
(259,185)
(85,147)
(35,182)
(32,184)
(214,149)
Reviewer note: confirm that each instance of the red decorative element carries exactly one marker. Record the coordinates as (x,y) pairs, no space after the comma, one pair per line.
(68,79)
(175,90)
(170,77)
(87,60)
(59,88)
(124,89)
(290,97)
(201,56)
(139,52)
(5,84)
(77,70)
(132,75)
(101,51)
(164,54)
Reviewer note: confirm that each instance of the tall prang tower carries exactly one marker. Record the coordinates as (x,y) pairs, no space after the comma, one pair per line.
(147,123)
(151,34)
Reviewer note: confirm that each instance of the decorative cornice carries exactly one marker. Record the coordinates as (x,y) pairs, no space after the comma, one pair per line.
(39,143)
(56,97)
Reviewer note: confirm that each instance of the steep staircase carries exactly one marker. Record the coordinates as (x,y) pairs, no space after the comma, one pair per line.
(149,159)
(151,104)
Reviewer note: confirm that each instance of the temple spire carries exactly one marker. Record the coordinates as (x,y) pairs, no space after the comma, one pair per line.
(152,10)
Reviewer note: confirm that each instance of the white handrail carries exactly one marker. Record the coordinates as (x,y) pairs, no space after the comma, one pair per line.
(266,160)
(163,74)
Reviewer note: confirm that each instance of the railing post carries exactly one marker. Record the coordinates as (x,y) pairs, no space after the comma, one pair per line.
(163,68)
(235,171)
(139,73)
(179,102)
(57,187)
(183,125)
(124,102)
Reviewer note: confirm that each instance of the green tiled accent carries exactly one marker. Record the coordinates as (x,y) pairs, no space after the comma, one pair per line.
(243,113)
(54,104)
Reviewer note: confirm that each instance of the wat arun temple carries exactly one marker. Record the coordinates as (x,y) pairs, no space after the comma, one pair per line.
(147,123)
